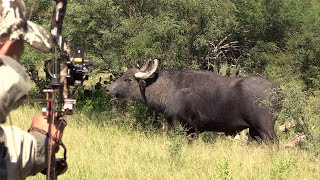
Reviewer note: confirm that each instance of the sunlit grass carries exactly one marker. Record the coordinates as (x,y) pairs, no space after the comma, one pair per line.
(108,151)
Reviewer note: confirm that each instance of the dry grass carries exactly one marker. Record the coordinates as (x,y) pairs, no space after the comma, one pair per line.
(113,152)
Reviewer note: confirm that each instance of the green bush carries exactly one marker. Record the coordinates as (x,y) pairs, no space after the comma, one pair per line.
(296,110)
(93,100)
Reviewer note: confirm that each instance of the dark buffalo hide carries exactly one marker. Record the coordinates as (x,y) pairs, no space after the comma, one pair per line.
(202,100)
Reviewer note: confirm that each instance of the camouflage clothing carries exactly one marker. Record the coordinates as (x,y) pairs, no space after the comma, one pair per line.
(21,153)
(14,25)
(14,85)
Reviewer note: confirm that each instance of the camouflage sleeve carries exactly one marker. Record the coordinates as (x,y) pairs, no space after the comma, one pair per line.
(25,153)
(14,85)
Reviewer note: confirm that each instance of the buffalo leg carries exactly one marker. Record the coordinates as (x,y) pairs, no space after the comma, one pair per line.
(265,127)
(259,135)
(165,127)
(253,135)
(268,135)
(192,133)
(172,121)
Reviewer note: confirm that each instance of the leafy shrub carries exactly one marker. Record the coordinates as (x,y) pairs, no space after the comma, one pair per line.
(298,114)
(93,100)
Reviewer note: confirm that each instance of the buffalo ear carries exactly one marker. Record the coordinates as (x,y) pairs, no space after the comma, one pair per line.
(142,84)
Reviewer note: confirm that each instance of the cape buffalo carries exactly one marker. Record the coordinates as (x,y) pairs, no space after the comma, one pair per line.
(202,100)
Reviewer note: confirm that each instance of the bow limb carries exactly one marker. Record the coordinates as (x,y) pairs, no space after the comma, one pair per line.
(51,118)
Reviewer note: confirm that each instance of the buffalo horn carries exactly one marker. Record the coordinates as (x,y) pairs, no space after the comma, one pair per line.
(147,74)
(145,66)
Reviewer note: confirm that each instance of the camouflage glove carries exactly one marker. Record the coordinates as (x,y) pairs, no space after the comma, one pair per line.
(14,86)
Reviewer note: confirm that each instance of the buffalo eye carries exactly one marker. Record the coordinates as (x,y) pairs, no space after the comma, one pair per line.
(128,80)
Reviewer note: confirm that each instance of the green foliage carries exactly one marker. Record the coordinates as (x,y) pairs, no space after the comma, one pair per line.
(160,37)
(306,46)
(119,33)
(259,57)
(133,31)
(140,112)
(296,111)
(35,93)
(223,170)
(294,108)
(269,20)
(91,25)
(209,137)
(92,100)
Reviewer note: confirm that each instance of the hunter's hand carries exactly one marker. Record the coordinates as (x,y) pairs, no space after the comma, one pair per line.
(40,122)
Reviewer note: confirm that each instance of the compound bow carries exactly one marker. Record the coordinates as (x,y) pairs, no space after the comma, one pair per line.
(64,71)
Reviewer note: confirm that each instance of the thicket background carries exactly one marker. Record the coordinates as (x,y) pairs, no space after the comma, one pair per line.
(278,39)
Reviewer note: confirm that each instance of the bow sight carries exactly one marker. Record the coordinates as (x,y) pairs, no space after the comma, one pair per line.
(78,68)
